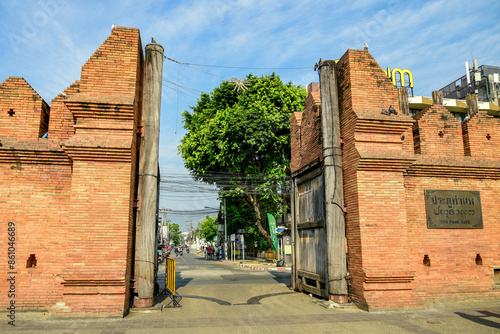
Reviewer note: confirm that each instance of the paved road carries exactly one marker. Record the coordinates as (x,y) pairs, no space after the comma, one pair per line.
(223,298)
(194,270)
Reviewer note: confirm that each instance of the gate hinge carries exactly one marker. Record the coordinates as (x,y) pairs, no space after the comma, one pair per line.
(140,129)
(138,203)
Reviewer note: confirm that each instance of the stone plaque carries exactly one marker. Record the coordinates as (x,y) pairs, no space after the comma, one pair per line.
(453,209)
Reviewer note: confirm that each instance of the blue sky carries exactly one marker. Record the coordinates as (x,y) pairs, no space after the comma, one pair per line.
(47,42)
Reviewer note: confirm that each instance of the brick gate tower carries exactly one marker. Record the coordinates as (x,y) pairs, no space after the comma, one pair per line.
(68,176)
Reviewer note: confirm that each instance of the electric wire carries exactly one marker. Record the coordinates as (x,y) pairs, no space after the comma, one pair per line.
(192,66)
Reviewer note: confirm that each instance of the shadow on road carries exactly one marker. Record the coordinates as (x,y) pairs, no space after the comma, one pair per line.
(480,319)
(252,301)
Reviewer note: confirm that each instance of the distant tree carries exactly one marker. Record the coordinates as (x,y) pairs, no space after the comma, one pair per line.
(239,139)
(208,229)
(175,233)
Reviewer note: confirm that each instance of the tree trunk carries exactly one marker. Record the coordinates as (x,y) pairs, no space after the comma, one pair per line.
(253,202)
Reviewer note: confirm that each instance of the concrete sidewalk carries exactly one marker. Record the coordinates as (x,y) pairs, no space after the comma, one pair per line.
(266,308)
(284,311)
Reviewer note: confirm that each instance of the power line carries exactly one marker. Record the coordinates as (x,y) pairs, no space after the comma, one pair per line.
(304,69)
(238,67)
(176,90)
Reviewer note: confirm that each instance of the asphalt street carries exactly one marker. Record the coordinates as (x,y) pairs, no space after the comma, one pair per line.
(225,298)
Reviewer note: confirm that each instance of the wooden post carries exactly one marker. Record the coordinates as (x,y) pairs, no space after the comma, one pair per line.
(145,247)
(294,231)
(334,194)
(472,105)
(437,97)
(404,104)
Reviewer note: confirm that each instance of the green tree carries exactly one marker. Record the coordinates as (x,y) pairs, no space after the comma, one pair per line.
(175,233)
(239,139)
(208,229)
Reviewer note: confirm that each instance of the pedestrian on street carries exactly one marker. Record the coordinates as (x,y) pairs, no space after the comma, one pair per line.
(216,252)
(209,252)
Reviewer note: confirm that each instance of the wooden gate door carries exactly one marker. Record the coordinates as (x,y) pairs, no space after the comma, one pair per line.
(311,270)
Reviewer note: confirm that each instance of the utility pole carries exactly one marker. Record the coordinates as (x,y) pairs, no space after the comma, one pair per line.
(145,257)
(334,194)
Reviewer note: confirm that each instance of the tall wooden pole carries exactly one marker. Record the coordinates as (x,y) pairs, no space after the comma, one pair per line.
(225,230)
(334,195)
(145,257)
(294,231)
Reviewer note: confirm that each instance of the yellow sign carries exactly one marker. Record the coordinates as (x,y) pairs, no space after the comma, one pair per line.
(393,75)
(288,249)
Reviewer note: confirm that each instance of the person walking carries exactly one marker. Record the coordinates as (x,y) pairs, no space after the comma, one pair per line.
(216,252)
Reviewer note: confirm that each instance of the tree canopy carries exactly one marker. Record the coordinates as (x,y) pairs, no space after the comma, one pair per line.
(239,140)
(208,229)
(175,233)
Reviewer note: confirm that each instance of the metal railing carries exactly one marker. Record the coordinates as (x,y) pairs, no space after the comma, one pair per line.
(170,283)
(170,275)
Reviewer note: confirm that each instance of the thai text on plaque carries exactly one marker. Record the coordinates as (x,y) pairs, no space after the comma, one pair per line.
(453,209)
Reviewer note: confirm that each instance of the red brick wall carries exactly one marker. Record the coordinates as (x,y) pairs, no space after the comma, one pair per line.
(22,110)
(375,153)
(440,132)
(384,182)
(34,198)
(384,190)
(307,144)
(71,195)
(479,138)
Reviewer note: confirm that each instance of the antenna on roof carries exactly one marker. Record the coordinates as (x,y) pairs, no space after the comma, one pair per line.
(467,69)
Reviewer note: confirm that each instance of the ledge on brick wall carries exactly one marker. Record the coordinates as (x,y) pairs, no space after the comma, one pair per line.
(393,124)
(456,167)
(41,152)
(394,161)
(98,150)
(92,282)
(110,108)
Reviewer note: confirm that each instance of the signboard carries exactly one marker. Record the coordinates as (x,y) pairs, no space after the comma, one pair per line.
(233,237)
(288,249)
(453,209)
(240,231)
(272,229)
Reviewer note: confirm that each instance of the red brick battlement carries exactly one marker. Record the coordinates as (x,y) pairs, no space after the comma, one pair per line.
(71,195)
(388,161)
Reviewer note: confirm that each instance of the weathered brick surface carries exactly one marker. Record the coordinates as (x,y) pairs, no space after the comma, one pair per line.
(71,195)
(23,113)
(306,132)
(480,140)
(388,162)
